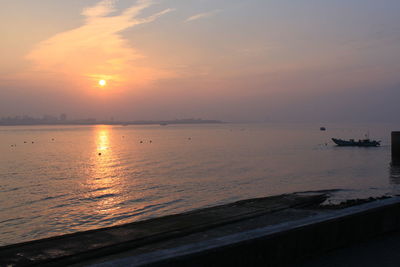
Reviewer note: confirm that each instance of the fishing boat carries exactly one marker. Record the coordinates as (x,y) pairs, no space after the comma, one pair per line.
(351,142)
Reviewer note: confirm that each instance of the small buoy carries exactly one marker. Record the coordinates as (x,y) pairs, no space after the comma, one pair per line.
(150,141)
(24,142)
(33,142)
(99,154)
(141,142)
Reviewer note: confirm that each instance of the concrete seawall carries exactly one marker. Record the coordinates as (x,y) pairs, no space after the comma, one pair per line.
(272,231)
(283,244)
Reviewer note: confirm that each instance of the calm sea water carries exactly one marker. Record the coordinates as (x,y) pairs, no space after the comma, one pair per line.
(54,181)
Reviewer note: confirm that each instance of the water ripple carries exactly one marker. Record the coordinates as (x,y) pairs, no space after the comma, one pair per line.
(98,197)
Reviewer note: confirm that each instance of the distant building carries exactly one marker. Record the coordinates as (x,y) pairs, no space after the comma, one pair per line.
(49,118)
(63,117)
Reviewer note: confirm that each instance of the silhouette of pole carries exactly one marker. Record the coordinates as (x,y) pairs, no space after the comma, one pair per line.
(396,147)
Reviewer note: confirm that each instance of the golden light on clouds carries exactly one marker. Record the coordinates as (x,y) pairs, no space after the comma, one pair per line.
(96,50)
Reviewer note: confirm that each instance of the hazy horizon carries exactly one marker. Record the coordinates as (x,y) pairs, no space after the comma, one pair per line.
(279,61)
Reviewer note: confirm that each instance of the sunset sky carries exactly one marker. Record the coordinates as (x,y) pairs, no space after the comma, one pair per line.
(234,60)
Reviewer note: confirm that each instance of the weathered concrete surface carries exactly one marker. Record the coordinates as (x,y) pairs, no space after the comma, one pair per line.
(273,231)
(381,251)
(284,243)
(78,247)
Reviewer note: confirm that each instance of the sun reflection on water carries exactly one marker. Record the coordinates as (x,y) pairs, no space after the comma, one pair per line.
(103,140)
(105,188)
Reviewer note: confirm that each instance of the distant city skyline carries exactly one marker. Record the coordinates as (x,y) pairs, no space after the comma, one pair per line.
(63,119)
(231,60)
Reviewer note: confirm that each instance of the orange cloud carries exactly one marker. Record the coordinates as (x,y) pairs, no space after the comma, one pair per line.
(96,50)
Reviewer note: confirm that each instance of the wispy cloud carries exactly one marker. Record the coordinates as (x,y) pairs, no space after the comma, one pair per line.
(96,50)
(203,15)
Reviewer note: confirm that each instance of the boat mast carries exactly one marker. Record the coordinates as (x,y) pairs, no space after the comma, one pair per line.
(367,135)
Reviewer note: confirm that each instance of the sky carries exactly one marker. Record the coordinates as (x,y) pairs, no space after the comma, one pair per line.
(232,60)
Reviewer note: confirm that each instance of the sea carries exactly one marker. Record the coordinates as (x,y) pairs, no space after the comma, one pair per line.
(56,180)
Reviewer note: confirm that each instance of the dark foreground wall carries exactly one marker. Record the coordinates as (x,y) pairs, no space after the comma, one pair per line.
(272,231)
(283,244)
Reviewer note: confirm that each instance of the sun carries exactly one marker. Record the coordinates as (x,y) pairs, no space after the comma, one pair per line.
(102,83)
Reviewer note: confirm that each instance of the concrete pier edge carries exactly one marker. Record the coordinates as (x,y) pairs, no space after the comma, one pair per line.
(395,147)
(271,231)
(198,254)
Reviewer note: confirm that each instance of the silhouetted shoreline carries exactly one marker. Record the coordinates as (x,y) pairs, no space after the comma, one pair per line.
(37,122)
